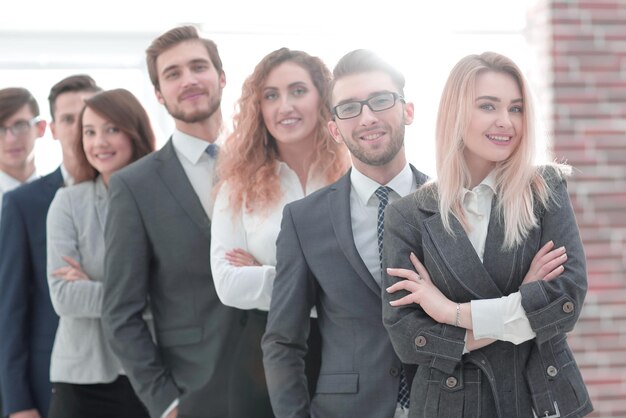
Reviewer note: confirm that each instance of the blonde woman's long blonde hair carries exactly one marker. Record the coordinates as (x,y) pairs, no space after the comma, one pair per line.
(519,184)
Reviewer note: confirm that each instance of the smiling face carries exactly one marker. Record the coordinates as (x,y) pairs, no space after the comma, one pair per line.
(106,147)
(496,125)
(290,105)
(374,139)
(190,87)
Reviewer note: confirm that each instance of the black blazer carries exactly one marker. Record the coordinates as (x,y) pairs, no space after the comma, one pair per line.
(28,322)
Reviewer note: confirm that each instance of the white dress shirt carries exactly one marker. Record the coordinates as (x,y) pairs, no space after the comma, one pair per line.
(255,232)
(8,183)
(364,215)
(364,212)
(68,180)
(502,318)
(198,166)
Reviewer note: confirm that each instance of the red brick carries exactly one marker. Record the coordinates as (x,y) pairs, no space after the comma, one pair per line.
(593,5)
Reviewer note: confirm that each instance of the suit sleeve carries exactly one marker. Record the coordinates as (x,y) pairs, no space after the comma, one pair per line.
(415,336)
(553,306)
(75,298)
(16,276)
(285,341)
(126,283)
(248,287)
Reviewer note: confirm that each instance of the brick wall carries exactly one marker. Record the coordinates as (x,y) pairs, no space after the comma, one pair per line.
(581,46)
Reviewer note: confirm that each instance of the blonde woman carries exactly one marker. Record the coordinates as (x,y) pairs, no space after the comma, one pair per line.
(486,267)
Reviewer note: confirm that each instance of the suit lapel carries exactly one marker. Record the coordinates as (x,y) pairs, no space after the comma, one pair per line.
(339,201)
(458,254)
(53,181)
(173,176)
(500,261)
(420,178)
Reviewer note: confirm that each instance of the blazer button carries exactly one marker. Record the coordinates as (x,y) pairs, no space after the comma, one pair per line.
(394,372)
(420,341)
(568,307)
(451,382)
(552,371)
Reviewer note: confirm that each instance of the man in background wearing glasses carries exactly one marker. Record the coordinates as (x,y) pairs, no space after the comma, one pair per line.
(20,126)
(27,319)
(328,256)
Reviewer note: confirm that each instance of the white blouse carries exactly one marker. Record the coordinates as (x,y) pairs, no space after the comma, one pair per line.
(502,318)
(255,232)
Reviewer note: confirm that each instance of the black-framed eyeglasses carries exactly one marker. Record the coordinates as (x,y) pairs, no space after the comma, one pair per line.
(378,103)
(19,128)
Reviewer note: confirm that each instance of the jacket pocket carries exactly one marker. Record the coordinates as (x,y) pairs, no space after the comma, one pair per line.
(444,395)
(179,336)
(338,383)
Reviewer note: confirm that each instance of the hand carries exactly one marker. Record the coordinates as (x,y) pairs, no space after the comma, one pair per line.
(173,413)
(422,291)
(547,264)
(241,258)
(29,413)
(72,272)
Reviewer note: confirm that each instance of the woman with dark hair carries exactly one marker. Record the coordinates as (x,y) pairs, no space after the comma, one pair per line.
(280,151)
(88,380)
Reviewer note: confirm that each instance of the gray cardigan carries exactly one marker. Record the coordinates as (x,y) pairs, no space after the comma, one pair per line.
(539,375)
(75,228)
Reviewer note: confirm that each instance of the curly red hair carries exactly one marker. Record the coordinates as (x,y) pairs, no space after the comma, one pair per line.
(251,155)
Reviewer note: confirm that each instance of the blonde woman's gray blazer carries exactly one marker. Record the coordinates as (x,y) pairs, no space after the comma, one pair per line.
(538,376)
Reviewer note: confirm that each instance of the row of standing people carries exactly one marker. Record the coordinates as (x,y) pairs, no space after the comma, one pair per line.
(326,346)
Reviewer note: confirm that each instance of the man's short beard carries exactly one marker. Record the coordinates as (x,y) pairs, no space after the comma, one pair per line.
(394,146)
(194,117)
(199,115)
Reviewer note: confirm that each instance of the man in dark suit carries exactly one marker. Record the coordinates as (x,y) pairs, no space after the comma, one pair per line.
(158,234)
(27,320)
(328,257)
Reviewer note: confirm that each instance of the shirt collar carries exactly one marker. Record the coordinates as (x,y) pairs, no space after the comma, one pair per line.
(489,182)
(9,183)
(34,176)
(402,184)
(68,180)
(485,190)
(189,146)
(315,180)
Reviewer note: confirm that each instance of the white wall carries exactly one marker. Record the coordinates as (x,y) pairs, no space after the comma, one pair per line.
(109,44)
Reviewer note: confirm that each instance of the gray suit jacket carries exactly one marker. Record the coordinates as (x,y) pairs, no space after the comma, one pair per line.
(319,265)
(539,374)
(75,228)
(157,247)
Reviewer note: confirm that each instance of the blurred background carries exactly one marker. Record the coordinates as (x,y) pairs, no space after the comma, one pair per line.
(573,52)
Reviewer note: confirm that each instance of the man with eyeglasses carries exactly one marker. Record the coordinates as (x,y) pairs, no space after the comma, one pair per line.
(27,319)
(328,257)
(20,126)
